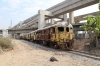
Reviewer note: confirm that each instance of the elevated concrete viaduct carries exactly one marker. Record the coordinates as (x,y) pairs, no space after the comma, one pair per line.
(67,6)
(81,17)
(15,33)
(58,11)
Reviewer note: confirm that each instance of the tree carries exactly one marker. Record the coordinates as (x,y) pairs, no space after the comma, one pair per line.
(92,26)
(89,27)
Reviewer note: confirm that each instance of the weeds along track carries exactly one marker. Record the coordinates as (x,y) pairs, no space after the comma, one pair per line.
(85,54)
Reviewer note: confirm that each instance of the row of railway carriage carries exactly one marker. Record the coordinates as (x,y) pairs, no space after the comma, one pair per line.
(59,35)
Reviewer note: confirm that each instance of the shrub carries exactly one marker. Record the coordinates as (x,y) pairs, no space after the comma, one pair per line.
(5,43)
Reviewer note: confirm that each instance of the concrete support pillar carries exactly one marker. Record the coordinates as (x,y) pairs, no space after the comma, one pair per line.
(52,21)
(47,21)
(18,35)
(71,17)
(20,24)
(5,33)
(17,26)
(14,36)
(41,19)
(65,17)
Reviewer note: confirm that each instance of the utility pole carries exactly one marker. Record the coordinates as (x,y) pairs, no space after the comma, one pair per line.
(10,25)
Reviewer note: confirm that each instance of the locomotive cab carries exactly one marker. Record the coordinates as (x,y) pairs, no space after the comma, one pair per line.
(64,35)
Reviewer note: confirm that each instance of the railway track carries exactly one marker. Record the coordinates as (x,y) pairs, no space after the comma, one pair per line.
(85,54)
(81,53)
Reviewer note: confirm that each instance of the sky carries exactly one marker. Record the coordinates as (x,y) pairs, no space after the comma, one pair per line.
(19,10)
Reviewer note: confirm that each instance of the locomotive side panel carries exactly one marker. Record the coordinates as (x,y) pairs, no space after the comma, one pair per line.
(35,37)
(32,36)
(42,35)
(29,36)
(52,34)
(47,34)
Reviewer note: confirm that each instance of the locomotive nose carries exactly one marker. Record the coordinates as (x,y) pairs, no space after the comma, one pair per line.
(70,36)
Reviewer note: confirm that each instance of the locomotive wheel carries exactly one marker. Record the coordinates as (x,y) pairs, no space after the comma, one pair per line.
(62,46)
(44,42)
(51,45)
(69,45)
(38,41)
(55,46)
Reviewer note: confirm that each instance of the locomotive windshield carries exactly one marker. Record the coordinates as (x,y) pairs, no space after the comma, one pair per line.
(60,29)
(67,29)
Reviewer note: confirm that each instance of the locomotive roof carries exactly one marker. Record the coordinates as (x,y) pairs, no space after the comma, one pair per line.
(59,24)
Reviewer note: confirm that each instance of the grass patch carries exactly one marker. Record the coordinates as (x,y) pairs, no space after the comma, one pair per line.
(5,44)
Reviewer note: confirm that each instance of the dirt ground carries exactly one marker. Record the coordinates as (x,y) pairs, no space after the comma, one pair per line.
(83,45)
(29,54)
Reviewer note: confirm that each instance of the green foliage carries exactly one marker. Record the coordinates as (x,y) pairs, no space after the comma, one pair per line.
(99,4)
(89,25)
(92,26)
(5,43)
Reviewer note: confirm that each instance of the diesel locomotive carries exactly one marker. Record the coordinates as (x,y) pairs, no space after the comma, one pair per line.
(59,35)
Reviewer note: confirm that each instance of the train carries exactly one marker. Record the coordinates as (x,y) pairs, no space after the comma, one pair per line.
(59,35)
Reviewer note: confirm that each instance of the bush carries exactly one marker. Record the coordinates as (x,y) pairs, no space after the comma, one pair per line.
(5,43)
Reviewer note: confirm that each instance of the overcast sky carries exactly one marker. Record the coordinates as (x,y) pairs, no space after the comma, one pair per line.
(19,10)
